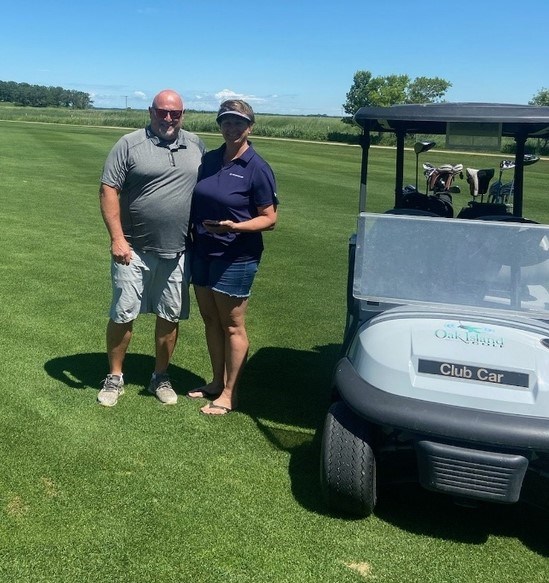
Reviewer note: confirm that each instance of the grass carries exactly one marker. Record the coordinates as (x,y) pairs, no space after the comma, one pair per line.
(143,493)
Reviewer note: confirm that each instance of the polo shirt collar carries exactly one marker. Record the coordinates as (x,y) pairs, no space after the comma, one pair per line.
(246,156)
(179,142)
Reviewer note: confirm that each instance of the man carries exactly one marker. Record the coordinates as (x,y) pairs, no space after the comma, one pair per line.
(145,199)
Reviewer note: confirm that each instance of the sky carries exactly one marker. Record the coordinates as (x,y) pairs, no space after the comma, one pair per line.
(282,56)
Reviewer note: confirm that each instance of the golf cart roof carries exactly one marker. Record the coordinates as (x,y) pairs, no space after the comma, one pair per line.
(432,118)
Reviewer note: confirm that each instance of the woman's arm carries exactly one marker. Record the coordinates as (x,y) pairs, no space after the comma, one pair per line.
(265,221)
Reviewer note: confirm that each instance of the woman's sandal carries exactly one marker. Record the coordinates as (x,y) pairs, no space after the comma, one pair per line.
(203,394)
(225,410)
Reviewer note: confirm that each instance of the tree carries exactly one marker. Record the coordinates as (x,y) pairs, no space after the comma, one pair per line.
(384,91)
(391,89)
(358,96)
(540,98)
(427,90)
(41,96)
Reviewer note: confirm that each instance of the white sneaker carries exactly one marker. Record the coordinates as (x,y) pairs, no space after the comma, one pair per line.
(161,386)
(113,387)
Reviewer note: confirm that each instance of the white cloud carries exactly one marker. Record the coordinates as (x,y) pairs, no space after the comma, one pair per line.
(140,95)
(225,94)
(210,101)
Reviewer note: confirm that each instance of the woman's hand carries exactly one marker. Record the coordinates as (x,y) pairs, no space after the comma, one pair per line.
(264,221)
(218,227)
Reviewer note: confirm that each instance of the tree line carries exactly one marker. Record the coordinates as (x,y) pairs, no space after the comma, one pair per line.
(370,91)
(42,96)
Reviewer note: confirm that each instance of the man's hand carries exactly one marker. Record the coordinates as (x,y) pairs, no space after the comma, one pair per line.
(121,251)
(110,210)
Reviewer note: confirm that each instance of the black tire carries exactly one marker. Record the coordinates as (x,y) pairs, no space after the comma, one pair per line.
(347,463)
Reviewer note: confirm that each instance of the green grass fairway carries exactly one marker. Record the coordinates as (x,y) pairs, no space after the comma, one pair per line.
(143,493)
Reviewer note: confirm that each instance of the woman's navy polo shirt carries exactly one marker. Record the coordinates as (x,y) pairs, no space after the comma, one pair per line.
(232,192)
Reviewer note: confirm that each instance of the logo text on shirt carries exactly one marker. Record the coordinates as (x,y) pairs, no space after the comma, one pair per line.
(237,175)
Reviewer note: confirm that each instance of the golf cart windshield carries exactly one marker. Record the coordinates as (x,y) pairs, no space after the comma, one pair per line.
(488,265)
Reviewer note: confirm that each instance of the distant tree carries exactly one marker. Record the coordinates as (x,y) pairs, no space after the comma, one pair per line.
(358,94)
(41,96)
(367,90)
(540,98)
(385,91)
(427,90)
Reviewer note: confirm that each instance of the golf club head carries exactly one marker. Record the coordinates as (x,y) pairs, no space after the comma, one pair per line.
(530,159)
(420,147)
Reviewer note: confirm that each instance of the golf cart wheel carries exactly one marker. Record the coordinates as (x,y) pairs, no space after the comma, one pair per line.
(347,464)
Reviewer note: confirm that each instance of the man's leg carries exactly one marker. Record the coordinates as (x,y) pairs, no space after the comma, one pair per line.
(118,340)
(166,334)
(127,287)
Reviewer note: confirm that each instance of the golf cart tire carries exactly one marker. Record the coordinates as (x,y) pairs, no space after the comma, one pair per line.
(347,465)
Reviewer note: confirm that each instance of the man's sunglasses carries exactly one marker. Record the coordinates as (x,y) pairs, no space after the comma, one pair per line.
(163,113)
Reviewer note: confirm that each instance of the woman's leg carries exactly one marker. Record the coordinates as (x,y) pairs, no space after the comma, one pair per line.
(231,312)
(215,340)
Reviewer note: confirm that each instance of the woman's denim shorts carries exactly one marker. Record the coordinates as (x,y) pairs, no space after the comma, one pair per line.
(226,277)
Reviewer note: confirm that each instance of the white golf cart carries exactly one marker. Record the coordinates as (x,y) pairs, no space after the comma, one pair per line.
(445,358)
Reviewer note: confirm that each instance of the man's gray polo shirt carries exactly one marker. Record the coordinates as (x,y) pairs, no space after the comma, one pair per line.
(155,180)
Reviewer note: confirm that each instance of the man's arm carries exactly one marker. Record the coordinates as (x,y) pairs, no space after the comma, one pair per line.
(110,210)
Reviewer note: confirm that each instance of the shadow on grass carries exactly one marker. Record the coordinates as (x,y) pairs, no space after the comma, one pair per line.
(85,371)
(419,511)
(286,392)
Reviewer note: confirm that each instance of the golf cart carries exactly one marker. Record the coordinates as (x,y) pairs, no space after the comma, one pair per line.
(444,373)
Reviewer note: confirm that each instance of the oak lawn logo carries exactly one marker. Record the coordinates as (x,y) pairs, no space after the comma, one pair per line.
(475,335)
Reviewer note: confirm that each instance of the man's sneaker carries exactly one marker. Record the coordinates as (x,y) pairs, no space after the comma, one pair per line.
(161,387)
(113,387)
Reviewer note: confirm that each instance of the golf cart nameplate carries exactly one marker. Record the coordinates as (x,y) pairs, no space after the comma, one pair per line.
(473,373)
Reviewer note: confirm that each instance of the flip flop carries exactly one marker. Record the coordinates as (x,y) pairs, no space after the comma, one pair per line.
(225,410)
(203,394)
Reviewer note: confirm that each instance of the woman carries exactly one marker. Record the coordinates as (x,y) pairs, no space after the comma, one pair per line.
(234,201)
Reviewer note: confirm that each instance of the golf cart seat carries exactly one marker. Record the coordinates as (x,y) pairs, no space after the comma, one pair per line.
(439,205)
(507,217)
(478,210)
(411,212)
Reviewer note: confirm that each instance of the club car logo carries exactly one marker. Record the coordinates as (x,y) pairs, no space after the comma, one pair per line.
(476,335)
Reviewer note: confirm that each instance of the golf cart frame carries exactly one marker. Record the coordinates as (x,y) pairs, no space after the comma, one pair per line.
(445,358)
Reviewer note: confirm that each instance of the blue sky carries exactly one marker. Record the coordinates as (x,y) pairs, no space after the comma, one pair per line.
(292,57)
